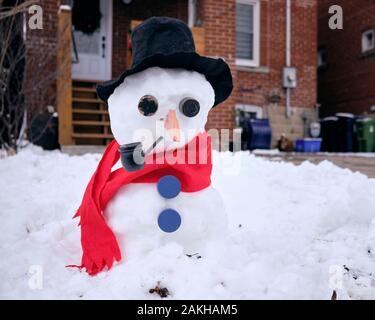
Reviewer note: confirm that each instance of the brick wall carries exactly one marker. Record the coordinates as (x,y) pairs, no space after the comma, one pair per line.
(41,68)
(251,85)
(348,81)
(218,22)
(138,10)
(254,85)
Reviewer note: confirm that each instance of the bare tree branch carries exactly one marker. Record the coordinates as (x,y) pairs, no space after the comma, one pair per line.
(28,73)
(6,12)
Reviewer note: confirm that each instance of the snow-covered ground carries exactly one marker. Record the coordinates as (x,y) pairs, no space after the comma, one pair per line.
(294,232)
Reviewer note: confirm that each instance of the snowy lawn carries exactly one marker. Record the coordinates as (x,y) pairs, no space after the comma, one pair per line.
(295,232)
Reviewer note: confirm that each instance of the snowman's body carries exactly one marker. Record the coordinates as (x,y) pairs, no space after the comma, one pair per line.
(133,213)
(133,216)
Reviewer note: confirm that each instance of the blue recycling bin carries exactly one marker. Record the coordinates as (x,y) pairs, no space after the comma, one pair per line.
(259,134)
(308,145)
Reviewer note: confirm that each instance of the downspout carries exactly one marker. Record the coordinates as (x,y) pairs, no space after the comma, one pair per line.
(288,110)
(191,13)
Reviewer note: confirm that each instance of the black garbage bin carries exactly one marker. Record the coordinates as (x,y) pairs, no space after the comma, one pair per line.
(243,118)
(259,134)
(345,132)
(44,131)
(329,134)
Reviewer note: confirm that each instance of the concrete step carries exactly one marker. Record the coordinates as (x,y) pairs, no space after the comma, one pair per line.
(82,149)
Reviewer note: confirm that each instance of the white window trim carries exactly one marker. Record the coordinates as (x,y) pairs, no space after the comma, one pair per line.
(255,61)
(250,108)
(364,34)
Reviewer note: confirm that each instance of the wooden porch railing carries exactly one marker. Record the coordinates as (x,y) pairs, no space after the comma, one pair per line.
(64,75)
(198,35)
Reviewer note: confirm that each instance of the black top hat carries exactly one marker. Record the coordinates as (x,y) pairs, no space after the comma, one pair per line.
(168,43)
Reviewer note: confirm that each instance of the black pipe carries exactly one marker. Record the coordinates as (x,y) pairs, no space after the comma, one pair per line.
(133,156)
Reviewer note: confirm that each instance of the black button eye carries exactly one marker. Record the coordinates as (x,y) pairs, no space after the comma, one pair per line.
(148,105)
(189,107)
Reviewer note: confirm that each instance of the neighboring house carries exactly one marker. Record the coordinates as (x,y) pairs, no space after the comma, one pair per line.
(251,35)
(346,75)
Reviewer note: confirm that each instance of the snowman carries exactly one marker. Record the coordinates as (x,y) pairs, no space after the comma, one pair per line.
(152,185)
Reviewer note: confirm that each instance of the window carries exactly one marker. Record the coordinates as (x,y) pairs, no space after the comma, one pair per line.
(247,32)
(322,57)
(251,111)
(368,40)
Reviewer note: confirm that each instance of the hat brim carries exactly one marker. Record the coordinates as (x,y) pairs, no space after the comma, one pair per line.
(216,71)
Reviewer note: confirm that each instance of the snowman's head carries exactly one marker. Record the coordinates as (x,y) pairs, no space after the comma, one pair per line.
(172,103)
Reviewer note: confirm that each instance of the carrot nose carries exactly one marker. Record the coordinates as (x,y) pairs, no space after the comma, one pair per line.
(172,126)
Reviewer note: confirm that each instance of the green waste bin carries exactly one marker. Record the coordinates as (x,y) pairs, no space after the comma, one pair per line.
(365,131)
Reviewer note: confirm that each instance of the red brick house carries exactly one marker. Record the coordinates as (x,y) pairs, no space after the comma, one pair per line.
(258,38)
(347,58)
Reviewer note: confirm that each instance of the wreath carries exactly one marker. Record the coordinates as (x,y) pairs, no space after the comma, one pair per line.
(86,15)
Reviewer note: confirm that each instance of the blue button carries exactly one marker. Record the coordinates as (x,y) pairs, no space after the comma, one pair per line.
(169,220)
(169,187)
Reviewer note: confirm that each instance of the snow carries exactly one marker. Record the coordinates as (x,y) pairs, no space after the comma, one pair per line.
(291,231)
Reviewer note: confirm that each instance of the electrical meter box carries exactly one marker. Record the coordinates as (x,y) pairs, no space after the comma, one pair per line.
(290,77)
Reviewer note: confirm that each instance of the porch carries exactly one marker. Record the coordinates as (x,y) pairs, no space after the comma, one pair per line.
(86,59)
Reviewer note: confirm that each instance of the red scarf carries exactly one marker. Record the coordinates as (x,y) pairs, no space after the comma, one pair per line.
(99,244)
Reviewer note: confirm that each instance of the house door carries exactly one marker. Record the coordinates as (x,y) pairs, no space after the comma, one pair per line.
(92,39)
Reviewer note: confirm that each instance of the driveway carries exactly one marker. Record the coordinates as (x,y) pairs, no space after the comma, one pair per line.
(362,162)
